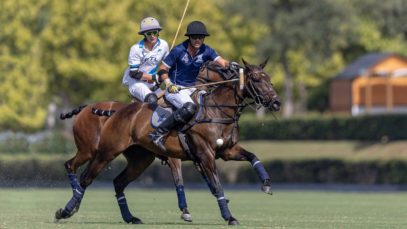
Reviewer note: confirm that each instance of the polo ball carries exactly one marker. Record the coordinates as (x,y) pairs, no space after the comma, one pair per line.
(219,142)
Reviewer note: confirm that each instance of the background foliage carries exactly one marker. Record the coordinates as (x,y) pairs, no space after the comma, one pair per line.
(314,127)
(68,53)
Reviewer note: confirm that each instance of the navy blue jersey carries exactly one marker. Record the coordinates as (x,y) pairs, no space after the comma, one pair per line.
(183,68)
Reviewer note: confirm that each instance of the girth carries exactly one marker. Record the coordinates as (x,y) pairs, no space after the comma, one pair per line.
(187,145)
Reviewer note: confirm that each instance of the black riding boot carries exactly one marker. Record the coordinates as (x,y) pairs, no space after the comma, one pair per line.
(180,116)
(158,135)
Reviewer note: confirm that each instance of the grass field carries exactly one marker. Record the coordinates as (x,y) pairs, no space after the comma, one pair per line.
(34,208)
(347,150)
(265,150)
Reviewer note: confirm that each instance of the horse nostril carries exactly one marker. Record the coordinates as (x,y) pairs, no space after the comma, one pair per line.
(275,105)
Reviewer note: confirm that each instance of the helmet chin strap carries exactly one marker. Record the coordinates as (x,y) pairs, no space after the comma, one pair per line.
(191,48)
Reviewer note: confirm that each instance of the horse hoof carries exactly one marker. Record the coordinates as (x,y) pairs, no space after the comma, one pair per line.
(267,189)
(58,216)
(135,220)
(61,214)
(186,217)
(233,221)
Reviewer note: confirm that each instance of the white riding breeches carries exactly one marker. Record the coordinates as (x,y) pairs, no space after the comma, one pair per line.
(180,98)
(139,89)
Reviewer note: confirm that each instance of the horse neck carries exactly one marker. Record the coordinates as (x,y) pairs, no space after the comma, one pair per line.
(227,99)
(220,105)
(223,100)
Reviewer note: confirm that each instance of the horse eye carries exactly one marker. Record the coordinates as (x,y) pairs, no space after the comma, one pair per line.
(256,77)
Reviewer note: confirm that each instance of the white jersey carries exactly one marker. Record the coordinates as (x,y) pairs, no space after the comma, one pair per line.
(145,60)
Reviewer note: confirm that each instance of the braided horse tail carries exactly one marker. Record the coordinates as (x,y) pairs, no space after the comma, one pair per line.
(101,112)
(72,113)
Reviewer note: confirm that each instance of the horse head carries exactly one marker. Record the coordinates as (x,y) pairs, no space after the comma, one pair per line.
(259,87)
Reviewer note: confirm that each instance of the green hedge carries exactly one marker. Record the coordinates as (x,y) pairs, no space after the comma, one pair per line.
(367,128)
(35,171)
(334,171)
(42,142)
(363,128)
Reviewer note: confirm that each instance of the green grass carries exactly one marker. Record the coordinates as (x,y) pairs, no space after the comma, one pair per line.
(34,208)
(265,150)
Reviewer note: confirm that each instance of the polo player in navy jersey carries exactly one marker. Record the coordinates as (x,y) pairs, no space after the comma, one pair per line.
(180,69)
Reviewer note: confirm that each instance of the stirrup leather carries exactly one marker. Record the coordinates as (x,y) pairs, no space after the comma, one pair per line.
(158,140)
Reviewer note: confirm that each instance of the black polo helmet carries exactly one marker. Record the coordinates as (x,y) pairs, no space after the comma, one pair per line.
(196,28)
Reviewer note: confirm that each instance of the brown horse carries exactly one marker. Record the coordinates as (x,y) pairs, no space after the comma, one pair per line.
(87,127)
(220,109)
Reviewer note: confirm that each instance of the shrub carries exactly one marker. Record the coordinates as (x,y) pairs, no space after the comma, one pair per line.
(13,143)
(53,142)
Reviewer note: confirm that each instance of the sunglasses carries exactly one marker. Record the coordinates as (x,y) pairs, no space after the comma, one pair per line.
(151,33)
(196,37)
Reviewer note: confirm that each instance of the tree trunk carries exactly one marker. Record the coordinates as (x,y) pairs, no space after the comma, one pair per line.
(288,104)
(51,116)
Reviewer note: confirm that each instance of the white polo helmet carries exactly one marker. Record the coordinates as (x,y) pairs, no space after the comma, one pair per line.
(149,23)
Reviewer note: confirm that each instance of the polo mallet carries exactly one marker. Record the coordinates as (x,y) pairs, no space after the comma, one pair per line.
(175,38)
(179,25)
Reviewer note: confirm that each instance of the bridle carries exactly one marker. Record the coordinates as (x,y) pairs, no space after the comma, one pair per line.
(206,98)
(240,101)
(251,89)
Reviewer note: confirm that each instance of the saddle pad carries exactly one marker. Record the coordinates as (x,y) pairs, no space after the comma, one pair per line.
(159,115)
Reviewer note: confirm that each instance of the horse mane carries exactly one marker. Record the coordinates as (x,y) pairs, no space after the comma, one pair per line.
(215,67)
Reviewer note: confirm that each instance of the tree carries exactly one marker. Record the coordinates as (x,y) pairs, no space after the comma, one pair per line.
(310,31)
(23,79)
(75,52)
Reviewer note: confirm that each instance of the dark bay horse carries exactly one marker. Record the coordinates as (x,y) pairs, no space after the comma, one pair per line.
(220,108)
(87,127)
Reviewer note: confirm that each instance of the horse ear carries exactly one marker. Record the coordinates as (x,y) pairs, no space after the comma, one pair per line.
(245,63)
(262,65)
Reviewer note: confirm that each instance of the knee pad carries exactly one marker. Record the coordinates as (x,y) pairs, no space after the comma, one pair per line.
(185,113)
(190,108)
(151,98)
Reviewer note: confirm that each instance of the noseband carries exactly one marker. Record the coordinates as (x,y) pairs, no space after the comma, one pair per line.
(251,89)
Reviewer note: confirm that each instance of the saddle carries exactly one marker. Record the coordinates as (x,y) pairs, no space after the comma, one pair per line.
(165,109)
(159,115)
(162,112)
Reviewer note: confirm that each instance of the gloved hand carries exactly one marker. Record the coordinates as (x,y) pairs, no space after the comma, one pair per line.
(234,66)
(173,88)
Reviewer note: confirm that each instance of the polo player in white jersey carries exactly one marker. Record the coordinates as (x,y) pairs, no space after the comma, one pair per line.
(144,57)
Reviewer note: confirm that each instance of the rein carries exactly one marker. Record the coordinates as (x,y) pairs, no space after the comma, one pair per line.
(202,97)
(209,84)
(203,101)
